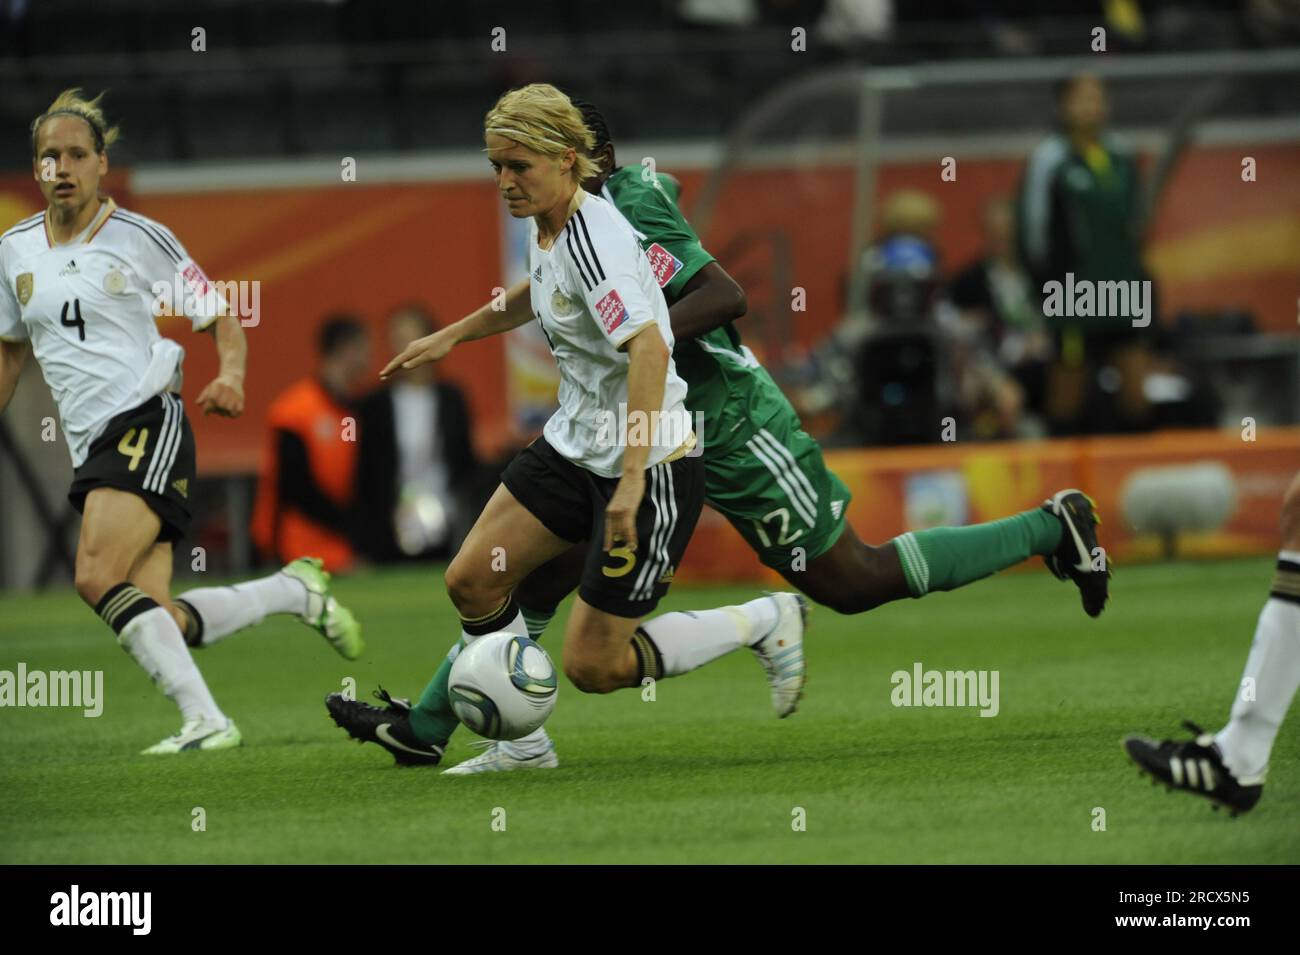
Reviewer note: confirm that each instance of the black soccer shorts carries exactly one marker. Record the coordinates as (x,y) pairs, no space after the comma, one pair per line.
(571,502)
(148,451)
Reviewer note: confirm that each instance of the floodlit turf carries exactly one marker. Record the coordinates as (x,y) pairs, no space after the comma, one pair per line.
(705,773)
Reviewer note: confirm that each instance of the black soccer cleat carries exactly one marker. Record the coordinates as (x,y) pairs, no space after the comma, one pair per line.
(1079,557)
(1195,766)
(388,725)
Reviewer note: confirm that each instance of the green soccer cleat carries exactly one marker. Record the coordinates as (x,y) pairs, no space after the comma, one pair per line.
(198,734)
(324,614)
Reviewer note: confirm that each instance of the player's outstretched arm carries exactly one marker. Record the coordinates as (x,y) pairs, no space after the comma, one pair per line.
(709,300)
(224,395)
(12,357)
(483,322)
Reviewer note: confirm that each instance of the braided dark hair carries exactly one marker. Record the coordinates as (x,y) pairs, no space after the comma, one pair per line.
(594,120)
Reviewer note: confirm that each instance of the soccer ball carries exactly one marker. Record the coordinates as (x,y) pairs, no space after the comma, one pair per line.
(503,686)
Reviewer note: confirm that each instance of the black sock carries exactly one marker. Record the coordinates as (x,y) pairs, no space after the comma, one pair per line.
(122,604)
(193,623)
(649,662)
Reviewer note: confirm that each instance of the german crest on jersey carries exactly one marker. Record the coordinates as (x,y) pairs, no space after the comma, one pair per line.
(114,282)
(561,304)
(24,288)
(663,263)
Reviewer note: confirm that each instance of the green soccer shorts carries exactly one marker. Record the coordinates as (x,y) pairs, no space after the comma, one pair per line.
(773,485)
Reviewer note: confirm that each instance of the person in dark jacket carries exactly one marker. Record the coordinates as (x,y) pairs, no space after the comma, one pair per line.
(416,469)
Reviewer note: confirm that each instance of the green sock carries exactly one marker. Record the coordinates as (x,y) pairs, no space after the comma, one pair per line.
(945,558)
(432,719)
(536,621)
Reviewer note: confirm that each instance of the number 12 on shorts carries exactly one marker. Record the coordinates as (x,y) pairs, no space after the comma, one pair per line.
(784,536)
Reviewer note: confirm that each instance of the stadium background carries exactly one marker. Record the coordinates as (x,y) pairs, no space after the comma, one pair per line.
(238,149)
(786,159)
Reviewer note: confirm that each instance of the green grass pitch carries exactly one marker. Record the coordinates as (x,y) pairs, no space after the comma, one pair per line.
(704,773)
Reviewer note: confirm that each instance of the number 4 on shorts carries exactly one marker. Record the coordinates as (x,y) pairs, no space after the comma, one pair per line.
(133,447)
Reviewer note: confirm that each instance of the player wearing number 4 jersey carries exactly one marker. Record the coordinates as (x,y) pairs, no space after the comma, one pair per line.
(78,287)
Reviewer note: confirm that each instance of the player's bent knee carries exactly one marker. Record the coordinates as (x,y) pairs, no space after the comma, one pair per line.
(90,586)
(473,595)
(590,677)
(93,579)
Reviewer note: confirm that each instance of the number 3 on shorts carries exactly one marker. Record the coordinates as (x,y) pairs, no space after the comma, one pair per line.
(134,447)
(626,555)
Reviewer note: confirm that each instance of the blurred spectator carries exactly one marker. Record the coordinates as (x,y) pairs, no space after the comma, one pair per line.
(998,305)
(416,473)
(908,359)
(884,365)
(1079,212)
(304,492)
(902,265)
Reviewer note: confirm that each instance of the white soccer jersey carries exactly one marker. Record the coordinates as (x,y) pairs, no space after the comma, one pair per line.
(88,308)
(592,291)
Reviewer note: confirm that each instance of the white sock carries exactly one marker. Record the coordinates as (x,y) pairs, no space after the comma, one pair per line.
(226,610)
(690,639)
(155,642)
(516,625)
(1273,666)
(534,744)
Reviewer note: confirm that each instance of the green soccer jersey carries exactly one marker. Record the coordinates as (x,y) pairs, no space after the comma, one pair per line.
(726,386)
(763,472)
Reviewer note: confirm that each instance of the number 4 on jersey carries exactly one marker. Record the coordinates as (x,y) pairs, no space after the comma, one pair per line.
(77,322)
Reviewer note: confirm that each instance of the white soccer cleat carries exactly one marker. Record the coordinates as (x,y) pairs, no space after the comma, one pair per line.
(781,652)
(502,757)
(198,734)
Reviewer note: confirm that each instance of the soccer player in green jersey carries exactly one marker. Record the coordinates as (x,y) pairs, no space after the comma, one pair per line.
(763,471)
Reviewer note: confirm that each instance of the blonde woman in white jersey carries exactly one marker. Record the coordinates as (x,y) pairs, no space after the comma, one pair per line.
(613,467)
(79,285)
